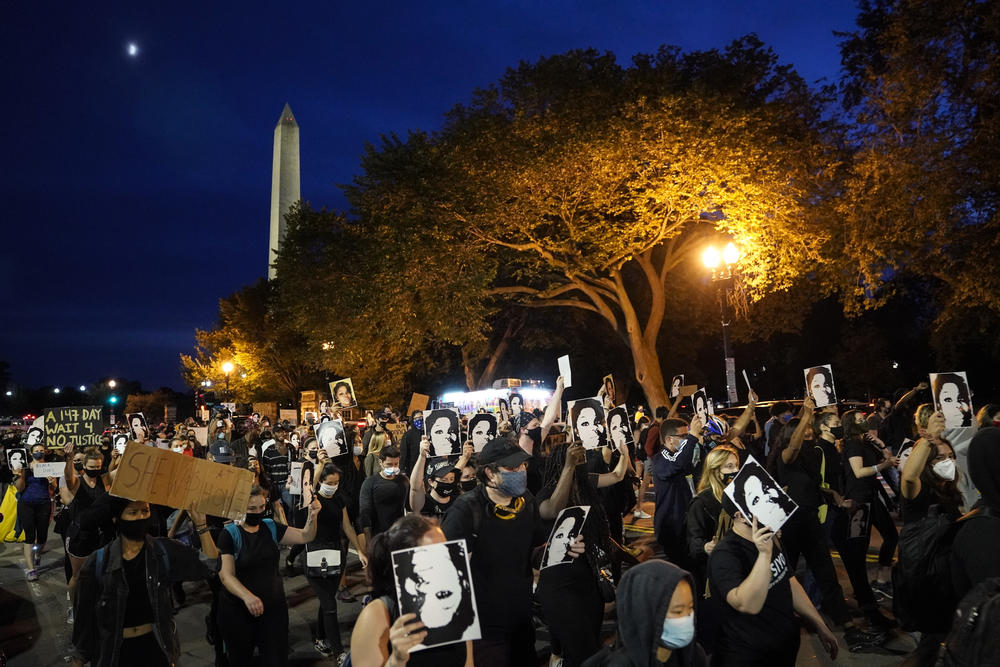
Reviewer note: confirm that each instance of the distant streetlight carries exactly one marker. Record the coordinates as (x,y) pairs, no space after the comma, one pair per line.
(83,388)
(227,368)
(55,390)
(112,384)
(721,266)
(10,393)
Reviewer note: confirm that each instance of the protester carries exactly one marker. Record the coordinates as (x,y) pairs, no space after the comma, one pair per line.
(988,415)
(721,466)
(651,446)
(381,636)
(277,461)
(570,594)
(974,552)
(89,529)
(122,604)
(781,412)
(656,620)
(761,596)
(898,426)
(332,523)
(434,498)
(673,469)
(375,445)
(409,444)
(253,611)
(34,508)
(866,458)
(501,523)
(383,496)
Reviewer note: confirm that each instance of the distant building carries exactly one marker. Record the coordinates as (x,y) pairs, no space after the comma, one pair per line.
(285,189)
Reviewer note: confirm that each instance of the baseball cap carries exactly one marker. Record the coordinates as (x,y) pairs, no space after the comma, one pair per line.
(221,451)
(503,452)
(439,469)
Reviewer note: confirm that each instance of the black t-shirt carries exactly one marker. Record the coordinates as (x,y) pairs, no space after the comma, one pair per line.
(138,610)
(752,637)
(257,564)
(834,470)
(433,508)
(382,501)
(330,518)
(859,490)
(973,555)
(801,477)
(501,556)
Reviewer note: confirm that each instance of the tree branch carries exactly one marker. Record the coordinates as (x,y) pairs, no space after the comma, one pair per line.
(657,297)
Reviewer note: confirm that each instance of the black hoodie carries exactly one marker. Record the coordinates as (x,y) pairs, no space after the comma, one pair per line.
(973,554)
(643,597)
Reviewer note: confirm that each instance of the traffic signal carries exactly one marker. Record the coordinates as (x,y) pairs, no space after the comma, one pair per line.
(112,399)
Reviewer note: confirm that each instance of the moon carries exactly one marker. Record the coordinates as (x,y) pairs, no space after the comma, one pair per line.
(132,49)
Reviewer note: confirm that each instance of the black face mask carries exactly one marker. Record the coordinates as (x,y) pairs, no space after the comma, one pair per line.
(311,453)
(445,488)
(133,530)
(468,484)
(78,466)
(92,473)
(728,477)
(837,432)
(253,518)
(536,436)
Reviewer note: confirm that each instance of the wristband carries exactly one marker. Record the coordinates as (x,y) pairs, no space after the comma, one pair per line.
(875,468)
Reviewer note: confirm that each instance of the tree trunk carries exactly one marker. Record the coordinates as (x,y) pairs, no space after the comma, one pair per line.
(470,373)
(647,372)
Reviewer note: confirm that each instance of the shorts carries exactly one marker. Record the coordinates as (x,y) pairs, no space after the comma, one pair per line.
(83,544)
(34,519)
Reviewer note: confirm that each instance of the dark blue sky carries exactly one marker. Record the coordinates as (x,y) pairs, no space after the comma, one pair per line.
(136,191)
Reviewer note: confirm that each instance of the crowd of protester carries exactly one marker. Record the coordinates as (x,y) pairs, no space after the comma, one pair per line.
(848,473)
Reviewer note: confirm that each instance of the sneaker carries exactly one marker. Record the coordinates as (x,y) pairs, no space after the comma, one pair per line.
(639,514)
(345,595)
(323,648)
(342,659)
(858,639)
(69,616)
(32,575)
(882,589)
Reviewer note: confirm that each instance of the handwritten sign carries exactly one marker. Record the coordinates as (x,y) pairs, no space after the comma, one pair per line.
(417,402)
(167,478)
(79,426)
(49,470)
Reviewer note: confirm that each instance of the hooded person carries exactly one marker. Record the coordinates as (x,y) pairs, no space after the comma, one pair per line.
(973,554)
(656,624)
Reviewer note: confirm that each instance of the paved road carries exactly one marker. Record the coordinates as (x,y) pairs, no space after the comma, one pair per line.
(34,632)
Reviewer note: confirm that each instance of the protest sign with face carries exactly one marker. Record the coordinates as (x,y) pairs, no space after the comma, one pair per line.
(330,436)
(756,494)
(587,422)
(137,427)
(482,429)
(675,385)
(443,429)
(17,458)
(435,583)
(952,398)
(619,427)
(568,525)
(819,384)
(343,393)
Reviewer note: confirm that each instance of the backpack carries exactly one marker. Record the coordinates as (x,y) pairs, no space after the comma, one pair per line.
(923,592)
(234,532)
(974,639)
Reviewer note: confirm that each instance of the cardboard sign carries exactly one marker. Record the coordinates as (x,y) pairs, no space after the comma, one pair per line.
(79,426)
(687,390)
(291,415)
(396,432)
(565,371)
(49,469)
(166,478)
(418,402)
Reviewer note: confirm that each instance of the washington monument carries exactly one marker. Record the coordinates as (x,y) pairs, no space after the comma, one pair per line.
(284,181)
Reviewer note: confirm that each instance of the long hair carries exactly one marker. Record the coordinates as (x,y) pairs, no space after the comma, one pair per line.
(945,492)
(376,443)
(329,468)
(596,531)
(710,475)
(782,436)
(852,421)
(403,534)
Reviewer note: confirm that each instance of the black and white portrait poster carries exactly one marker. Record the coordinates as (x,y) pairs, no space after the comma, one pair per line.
(36,436)
(330,436)
(138,430)
(819,384)
(699,405)
(952,398)
(587,422)
(17,458)
(443,429)
(675,385)
(482,429)
(756,494)
(343,393)
(619,427)
(568,525)
(119,441)
(435,583)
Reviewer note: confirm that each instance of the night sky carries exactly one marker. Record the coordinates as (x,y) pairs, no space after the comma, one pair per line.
(136,190)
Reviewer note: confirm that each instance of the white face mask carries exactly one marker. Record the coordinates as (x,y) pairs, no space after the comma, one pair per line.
(945,469)
(357,450)
(327,490)
(389,472)
(179,450)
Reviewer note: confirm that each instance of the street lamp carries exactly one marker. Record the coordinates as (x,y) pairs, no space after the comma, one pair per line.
(112,384)
(721,266)
(227,368)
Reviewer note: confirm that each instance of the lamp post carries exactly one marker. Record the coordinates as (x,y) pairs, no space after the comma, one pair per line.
(227,368)
(112,399)
(721,266)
